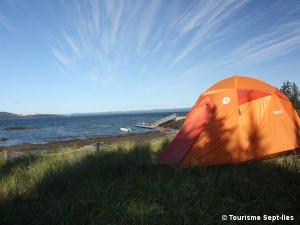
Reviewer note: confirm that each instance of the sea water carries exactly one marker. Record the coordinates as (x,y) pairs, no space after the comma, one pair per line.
(73,127)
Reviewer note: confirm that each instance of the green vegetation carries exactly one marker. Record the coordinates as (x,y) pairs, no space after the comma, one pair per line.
(125,185)
(290,89)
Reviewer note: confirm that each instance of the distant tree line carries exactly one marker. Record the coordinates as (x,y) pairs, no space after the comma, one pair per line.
(291,90)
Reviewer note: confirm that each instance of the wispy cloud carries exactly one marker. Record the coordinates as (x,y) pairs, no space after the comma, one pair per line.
(4,22)
(204,24)
(95,6)
(147,84)
(168,42)
(278,40)
(148,23)
(72,44)
(61,57)
(114,12)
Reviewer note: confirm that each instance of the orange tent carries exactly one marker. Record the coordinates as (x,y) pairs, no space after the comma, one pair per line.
(238,119)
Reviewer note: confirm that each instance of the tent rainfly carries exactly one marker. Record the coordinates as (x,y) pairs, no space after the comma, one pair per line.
(236,120)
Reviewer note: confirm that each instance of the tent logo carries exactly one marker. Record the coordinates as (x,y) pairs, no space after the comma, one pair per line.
(278,112)
(226,100)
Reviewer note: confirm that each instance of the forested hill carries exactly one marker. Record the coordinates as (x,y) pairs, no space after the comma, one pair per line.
(7,115)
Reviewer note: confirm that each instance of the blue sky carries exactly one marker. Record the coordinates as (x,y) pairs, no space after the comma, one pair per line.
(94,56)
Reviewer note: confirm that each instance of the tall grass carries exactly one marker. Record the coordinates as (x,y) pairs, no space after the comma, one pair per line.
(125,185)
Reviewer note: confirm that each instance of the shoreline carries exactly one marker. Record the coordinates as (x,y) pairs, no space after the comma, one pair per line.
(102,140)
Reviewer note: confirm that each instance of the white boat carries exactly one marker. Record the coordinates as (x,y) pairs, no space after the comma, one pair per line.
(127,129)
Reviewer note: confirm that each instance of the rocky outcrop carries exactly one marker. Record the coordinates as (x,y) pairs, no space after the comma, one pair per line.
(20,128)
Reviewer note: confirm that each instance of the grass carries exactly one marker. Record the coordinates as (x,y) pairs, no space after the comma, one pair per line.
(126,186)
